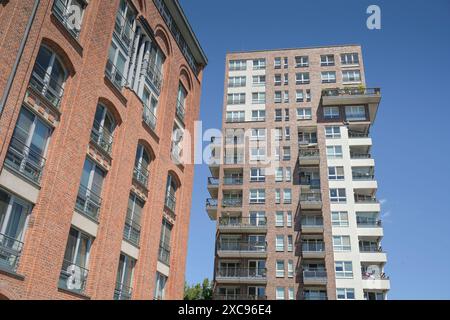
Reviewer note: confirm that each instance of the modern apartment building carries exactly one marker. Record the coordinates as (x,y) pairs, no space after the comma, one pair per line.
(292,178)
(94,98)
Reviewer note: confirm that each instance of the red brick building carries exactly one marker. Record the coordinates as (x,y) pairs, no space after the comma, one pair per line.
(94,99)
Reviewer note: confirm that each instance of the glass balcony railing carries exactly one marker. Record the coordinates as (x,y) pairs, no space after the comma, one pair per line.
(48,86)
(73,277)
(238,297)
(315,274)
(65,15)
(223,272)
(313,246)
(350,91)
(310,197)
(242,246)
(312,183)
(312,221)
(354,155)
(88,202)
(371,247)
(315,295)
(10,252)
(368,222)
(232,202)
(361,198)
(356,134)
(24,160)
(232,180)
(242,222)
(308,154)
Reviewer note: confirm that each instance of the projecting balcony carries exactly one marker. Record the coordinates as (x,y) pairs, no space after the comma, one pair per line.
(310,200)
(232,202)
(308,156)
(371,252)
(238,249)
(238,297)
(241,275)
(363,198)
(375,281)
(353,96)
(10,252)
(213,186)
(211,208)
(315,295)
(23,160)
(242,224)
(315,277)
(309,183)
(65,15)
(313,250)
(359,139)
(88,202)
(312,224)
(233,180)
(369,227)
(73,277)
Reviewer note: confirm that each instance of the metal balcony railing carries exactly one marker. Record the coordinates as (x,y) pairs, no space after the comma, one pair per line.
(73,277)
(306,140)
(122,292)
(243,221)
(368,222)
(356,134)
(211,203)
(176,153)
(102,137)
(235,119)
(308,154)
(312,222)
(232,202)
(361,198)
(350,91)
(180,110)
(164,253)
(370,248)
(319,295)
(154,75)
(10,251)
(310,197)
(242,246)
(374,276)
(234,160)
(313,183)
(132,230)
(230,180)
(363,176)
(141,175)
(45,84)
(24,160)
(123,30)
(313,246)
(64,14)
(238,297)
(315,274)
(88,202)
(114,75)
(241,272)
(149,117)
(213,181)
(354,155)
(170,201)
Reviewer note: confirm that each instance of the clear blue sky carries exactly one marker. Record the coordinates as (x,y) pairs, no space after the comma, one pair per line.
(409,58)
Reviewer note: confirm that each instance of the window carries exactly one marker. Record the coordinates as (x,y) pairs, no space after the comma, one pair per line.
(171,192)
(235,116)
(308,95)
(257,218)
(278,174)
(236,98)
(49,76)
(160,286)
(124,23)
(279,243)
(234,82)
(259,81)
(88,200)
(103,128)
(278,114)
(334,152)
(290,244)
(332,132)
(327,60)
(328,77)
(258,97)
(13,222)
(277,63)
(64,11)
(276,151)
(277,97)
(277,195)
(330,113)
(301,61)
(341,243)
(257,196)
(280,269)
(132,229)
(287,196)
(279,219)
(181,102)
(339,218)
(305,137)
(336,173)
(351,76)
(286,79)
(117,61)
(290,268)
(278,134)
(302,78)
(259,64)
(286,116)
(344,269)
(337,195)
(256,292)
(164,242)
(286,97)
(258,115)
(277,80)
(258,134)
(304,114)
(28,146)
(349,58)
(279,293)
(74,270)
(345,293)
(286,153)
(124,280)
(141,163)
(257,154)
(291,293)
(235,65)
(289,219)
(286,62)
(299,96)
(288,174)
(368,295)
(257,175)
(355,113)
(150,108)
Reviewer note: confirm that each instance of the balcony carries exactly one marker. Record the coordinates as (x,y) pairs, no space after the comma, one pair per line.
(310,200)
(232,180)
(375,281)
(232,202)
(241,275)
(73,277)
(371,252)
(131,230)
(368,222)
(242,224)
(237,249)
(353,96)
(315,295)
(10,252)
(214,166)
(46,85)
(234,160)
(164,253)
(238,297)
(363,198)
(359,139)
(122,292)
(308,156)
(25,161)
(149,117)
(354,155)
(310,183)
(154,76)
(313,250)
(359,176)
(315,277)
(213,186)
(102,138)
(312,224)
(141,176)
(88,203)
(64,14)
(211,208)
(180,111)
(114,75)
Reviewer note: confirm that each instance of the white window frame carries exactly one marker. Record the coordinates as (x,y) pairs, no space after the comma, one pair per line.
(334,152)
(339,219)
(332,132)
(341,195)
(304,113)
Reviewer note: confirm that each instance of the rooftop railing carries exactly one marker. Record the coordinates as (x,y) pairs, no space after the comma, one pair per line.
(10,252)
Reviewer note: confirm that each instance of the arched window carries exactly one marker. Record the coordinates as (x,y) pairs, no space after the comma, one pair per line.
(181,102)
(142,161)
(49,76)
(103,128)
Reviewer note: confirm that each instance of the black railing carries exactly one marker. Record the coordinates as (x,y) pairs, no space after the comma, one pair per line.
(353,91)
(141,175)
(122,292)
(232,202)
(232,245)
(164,253)
(114,75)
(102,137)
(354,155)
(46,85)
(149,117)
(170,201)
(311,197)
(238,297)
(24,160)
(88,202)
(66,16)
(367,222)
(243,221)
(304,153)
(180,110)
(73,277)
(231,272)
(10,252)
(131,230)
